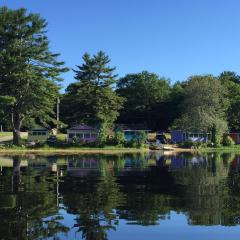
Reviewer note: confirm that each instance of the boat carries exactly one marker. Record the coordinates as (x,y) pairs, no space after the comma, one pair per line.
(160,147)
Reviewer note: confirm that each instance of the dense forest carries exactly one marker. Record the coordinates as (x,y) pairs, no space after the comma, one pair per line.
(197,104)
(30,87)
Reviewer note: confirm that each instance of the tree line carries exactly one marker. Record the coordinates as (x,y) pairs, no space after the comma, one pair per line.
(30,83)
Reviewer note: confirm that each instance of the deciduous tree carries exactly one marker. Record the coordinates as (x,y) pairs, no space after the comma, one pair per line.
(204,106)
(143,91)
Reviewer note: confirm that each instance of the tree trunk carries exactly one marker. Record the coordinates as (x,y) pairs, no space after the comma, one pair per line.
(16,174)
(16,126)
(16,137)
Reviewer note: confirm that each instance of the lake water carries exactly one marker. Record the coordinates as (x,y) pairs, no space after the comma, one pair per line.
(120,197)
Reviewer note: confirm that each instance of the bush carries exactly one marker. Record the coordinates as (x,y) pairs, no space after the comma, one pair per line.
(186,144)
(102,136)
(132,144)
(191,144)
(119,138)
(228,142)
(141,139)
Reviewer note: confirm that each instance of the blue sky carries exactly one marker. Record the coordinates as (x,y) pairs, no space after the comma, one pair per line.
(173,38)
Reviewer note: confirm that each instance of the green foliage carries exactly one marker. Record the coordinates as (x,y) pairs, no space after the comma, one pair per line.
(194,145)
(29,72)
(219,128)
(119,138)
(138,140)
(227,141)
(102,135)
(141,138)
(142,92)
(231,82)
(204,107)
(92,99)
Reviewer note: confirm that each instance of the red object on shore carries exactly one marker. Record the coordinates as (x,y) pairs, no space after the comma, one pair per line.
(235,137)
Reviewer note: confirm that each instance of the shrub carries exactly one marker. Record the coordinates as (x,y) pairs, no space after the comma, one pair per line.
(102,136)
(141,138)
(227,141)
(186,144)
(133,144)
(74,140)
(119,138)
(191,144)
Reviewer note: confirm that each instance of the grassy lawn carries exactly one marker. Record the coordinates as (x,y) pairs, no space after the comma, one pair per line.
(73,150)
(5,134)
(63,148)
(233,149)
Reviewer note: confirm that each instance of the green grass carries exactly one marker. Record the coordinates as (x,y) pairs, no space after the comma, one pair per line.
(235,148)
(5,134)
(72,150)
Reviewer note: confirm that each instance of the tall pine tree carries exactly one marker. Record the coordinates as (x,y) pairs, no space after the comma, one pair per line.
(29,72)
(92,99)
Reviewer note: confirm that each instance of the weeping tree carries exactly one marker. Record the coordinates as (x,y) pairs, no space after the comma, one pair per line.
(29,71)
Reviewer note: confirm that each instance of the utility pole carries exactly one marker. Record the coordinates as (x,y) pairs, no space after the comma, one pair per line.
(58,102)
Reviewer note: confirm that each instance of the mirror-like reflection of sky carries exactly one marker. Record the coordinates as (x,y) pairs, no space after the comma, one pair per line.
(125,196)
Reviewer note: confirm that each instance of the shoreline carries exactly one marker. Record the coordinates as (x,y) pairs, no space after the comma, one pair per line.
(69,151)
(74,151)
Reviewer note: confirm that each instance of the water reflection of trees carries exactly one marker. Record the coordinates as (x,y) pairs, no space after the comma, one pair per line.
(203,187)
(207,196)
(28,207)
(93,201)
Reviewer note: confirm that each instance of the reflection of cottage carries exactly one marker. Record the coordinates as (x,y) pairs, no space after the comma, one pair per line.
(83,133)
(131,131)
(38,134)
(235,137)
(179,136)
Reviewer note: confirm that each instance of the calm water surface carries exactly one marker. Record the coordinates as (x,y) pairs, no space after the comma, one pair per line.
(99,197)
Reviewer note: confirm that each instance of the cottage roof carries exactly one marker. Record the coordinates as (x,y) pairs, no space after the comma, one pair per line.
(132,127)
(83,127)
(39,128)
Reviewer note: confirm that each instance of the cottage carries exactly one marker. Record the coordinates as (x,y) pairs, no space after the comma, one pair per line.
(38,134)
(235,137)
(179,136)
(83,133)
(131,131)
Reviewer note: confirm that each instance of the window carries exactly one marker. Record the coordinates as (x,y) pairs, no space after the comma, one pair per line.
(87,135)
(79,135)
(71,135)
(94,135)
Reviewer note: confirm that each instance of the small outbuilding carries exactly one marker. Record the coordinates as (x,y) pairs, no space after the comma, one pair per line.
(131,131)
(82,132)
(180,136)
(38,134)
(235,137)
